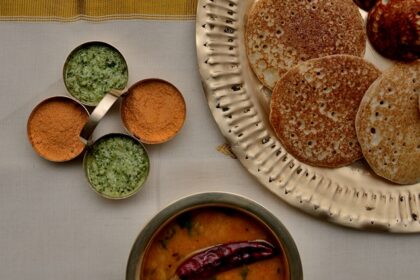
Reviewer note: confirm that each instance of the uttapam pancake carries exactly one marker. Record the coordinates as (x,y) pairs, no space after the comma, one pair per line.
(388,124)
(314,105)
(281,33)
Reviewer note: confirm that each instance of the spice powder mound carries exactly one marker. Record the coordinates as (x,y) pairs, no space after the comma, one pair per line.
(154,111)
(54,127)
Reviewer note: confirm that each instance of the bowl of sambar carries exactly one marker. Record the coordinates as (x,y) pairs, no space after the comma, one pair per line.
(214,236)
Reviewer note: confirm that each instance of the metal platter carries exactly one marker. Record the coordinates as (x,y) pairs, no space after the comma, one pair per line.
(351,196)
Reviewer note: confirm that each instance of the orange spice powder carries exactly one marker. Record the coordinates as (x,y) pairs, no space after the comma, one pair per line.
(153,110)
(54,127)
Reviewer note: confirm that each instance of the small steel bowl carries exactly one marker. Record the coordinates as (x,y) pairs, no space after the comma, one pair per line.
(85,165)
(124,102)
(216,199)
(84,45)
(53,98)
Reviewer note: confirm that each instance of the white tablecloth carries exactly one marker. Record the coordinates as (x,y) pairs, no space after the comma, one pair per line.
(52,226)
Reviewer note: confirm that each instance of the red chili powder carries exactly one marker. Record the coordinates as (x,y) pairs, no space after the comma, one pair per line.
(153,110)
(54,127)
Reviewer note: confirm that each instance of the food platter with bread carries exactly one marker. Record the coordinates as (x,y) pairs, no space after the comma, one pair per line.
(351,195)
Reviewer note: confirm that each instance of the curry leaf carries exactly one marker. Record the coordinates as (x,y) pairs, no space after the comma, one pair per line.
(244,272)
(185,221)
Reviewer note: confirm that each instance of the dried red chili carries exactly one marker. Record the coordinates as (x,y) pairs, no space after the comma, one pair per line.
(219,258)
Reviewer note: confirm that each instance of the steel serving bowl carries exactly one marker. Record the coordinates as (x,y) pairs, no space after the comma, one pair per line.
(214,199)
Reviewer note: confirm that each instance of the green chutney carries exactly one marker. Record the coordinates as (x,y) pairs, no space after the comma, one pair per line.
(94,69)
(117,166)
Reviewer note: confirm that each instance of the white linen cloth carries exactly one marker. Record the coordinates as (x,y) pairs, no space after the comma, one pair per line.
(52,226)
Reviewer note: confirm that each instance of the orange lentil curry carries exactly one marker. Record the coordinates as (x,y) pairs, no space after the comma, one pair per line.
(202,228)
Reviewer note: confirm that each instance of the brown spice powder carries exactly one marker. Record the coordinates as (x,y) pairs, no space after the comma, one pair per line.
(153,110)
(54,127)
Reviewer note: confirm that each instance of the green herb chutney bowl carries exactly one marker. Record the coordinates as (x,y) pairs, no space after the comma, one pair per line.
(116,166)
(93,69)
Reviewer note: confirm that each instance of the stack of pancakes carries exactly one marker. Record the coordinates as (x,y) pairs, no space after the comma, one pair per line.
(309,52)
(281,34)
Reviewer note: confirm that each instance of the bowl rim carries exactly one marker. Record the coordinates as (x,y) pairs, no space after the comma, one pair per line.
(199,200)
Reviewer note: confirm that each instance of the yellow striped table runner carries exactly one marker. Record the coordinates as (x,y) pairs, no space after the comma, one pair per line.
(96,10)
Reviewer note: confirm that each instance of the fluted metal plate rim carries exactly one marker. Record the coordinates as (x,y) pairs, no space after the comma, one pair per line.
(350,196)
